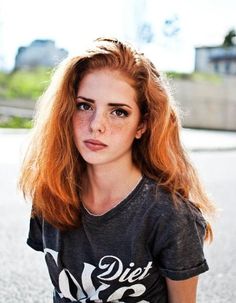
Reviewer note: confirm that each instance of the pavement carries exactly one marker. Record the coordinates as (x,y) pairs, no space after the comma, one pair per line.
(23,275)
(193,139)
(208,140)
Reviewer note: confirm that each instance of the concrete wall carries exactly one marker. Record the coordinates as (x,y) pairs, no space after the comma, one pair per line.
(206,104)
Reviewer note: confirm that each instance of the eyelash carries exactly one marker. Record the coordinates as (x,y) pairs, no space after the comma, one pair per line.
(121,112)
(82,104)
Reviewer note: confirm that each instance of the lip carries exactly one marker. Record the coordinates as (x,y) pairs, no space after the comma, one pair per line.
(94,145)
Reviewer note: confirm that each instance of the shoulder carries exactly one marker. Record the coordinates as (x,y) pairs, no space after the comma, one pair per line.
(173,227)
(160,203)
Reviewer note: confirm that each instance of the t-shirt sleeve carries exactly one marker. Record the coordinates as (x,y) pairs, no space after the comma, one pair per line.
(34,239)
(178,248)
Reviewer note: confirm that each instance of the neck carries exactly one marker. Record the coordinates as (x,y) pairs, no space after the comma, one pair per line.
(107,185)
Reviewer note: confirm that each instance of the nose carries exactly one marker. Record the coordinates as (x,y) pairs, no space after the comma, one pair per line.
(98,122)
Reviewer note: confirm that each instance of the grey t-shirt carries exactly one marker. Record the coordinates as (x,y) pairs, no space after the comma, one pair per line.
(125,254)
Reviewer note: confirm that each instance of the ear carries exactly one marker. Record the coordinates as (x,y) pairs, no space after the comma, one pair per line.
(141,129)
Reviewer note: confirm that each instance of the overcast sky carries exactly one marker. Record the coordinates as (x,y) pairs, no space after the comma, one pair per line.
(73,23)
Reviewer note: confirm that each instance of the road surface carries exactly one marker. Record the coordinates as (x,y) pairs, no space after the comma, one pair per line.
(23,273)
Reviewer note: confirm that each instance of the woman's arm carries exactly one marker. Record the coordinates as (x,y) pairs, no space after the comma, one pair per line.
(183,291)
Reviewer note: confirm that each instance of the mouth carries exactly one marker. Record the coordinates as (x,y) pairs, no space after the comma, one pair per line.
(94,145)
(95,142)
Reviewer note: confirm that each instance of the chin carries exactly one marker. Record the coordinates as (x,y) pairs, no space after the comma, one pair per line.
(94,160)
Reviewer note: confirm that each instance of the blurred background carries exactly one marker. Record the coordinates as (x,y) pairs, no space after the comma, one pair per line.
(192,41)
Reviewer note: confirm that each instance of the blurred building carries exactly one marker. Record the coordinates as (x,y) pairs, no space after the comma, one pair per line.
(39,53)
(216,59)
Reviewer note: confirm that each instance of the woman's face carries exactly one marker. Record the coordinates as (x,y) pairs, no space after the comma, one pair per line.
(107,118)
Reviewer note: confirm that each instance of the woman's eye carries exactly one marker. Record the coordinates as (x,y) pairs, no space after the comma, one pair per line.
(120,113)
(83,106)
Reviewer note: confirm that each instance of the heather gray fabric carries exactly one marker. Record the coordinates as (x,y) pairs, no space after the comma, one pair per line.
(125,254)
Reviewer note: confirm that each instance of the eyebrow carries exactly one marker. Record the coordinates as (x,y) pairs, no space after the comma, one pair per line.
(109,104)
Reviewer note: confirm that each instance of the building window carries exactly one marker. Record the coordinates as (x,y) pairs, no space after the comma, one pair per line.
(227,67)
(216,67)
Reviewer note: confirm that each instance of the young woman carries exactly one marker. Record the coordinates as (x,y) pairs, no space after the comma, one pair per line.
(118,209)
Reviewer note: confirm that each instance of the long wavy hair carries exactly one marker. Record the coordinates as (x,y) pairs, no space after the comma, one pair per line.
(53,168)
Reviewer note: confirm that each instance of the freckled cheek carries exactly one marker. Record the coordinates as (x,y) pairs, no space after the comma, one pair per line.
(80,122)
(117,126)
(123,128)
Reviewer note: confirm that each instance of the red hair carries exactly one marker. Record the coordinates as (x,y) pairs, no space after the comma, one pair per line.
(52,169)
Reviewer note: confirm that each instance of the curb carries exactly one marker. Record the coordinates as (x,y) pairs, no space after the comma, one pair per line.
(212,149)
(204,148)
(13,131)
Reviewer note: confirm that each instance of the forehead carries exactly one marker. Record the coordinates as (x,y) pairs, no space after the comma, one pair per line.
(108,85)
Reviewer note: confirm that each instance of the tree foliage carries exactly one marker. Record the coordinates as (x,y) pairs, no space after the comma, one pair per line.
(229,39)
